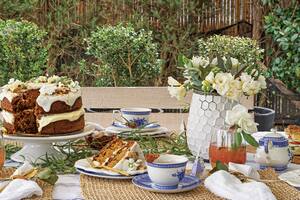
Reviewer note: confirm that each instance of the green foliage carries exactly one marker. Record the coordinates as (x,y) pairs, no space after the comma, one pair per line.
(244,49)
(128,57)
(283,25)
(23,50)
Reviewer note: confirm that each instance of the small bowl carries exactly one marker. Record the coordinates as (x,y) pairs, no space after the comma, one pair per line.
(167,171)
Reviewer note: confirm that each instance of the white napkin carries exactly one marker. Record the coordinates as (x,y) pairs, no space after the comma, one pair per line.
(228,186)
(23,169)
(244,169)
(19,189)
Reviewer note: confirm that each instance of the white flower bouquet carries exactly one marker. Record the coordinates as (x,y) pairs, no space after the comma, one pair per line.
(223,76)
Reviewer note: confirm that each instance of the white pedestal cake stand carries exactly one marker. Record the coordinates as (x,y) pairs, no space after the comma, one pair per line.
(37,147)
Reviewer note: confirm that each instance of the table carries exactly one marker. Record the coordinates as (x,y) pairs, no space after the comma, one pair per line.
(68,186)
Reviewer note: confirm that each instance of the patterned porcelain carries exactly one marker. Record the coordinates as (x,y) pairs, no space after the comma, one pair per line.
(186,184)
(207,114)
(291,177)
(167,170)
(138,115)
(123,127)
(273,151)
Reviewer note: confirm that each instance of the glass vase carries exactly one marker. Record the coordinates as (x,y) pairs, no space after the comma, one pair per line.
(223,147)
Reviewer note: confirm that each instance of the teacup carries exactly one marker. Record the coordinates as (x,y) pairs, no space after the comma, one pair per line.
(167,171)
(140,116)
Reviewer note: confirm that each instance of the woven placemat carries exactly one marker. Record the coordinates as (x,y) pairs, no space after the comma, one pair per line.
(94,188)
(46,187)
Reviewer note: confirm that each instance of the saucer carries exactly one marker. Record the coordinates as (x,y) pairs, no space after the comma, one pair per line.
(187,183)
(123,127)
(160,132)
(291,177)
(83,166)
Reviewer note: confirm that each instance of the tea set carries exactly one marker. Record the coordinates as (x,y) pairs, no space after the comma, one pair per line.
(126,120)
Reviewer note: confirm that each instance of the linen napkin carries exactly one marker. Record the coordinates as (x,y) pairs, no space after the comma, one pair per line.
(244,169)
(227,186)
(19,188)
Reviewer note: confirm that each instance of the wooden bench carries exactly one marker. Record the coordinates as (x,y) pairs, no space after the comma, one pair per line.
(100,101)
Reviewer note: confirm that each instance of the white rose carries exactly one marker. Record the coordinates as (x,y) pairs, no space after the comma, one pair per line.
(234,94)
(245,78)
(262,80)
(247,124)
(235,62)
(233,116)
(251,88)
(200,62)
(210,78)
(173,82)
(221,83)
(177,92)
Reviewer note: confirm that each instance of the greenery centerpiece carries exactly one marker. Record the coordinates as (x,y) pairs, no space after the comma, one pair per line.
(223,74)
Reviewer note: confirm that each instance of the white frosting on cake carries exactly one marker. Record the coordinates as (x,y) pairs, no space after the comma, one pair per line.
(8,117)
(47,119)
(45,100)
(7,94)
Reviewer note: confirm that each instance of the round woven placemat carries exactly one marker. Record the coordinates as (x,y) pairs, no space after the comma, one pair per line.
(105,189)
(46,187)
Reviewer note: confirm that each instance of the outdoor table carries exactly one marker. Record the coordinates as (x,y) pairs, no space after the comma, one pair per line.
(68,186)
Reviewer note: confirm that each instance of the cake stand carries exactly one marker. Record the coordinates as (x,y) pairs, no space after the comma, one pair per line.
(37,147)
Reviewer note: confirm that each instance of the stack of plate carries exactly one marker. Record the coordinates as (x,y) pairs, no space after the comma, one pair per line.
(154,130)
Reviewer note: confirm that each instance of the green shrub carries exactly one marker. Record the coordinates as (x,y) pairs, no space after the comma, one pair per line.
(244,49)
(23,51)
(128,57)
(283,25)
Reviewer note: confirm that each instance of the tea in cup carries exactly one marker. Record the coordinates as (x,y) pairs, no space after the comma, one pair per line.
(167,171)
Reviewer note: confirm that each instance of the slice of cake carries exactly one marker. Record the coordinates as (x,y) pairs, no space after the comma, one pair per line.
(294,132)
(44,105)
(120,155)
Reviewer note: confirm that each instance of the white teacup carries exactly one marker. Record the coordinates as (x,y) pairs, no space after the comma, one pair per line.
(140,116)
(167,171)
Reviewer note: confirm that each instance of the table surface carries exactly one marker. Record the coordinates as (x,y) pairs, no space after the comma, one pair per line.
(68,186)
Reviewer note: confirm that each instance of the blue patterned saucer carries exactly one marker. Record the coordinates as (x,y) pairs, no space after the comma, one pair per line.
(123,127)
(186,184)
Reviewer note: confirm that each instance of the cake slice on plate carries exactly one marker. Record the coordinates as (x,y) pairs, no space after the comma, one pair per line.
(120,156)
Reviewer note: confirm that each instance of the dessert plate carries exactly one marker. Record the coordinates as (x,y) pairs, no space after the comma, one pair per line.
(122,127)
(160,132)
(291,177)
(188,183)
(83,166)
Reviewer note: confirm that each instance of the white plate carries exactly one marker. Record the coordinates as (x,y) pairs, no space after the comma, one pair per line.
(83,166)
(162,131)
(123,127)
(291,177)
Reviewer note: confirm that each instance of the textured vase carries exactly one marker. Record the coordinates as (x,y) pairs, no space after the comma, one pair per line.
(207,114)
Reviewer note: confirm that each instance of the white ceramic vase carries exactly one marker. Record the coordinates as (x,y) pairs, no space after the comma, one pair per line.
(206,115)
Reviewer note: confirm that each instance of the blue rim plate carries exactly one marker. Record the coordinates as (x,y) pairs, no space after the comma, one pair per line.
(187,183)
(101,175)
(123,126)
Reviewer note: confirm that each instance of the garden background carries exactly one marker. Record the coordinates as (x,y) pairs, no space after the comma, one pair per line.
(142,45)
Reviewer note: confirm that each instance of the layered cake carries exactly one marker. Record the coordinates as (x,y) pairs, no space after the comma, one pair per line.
(43,105)
(294,142)
(120,155)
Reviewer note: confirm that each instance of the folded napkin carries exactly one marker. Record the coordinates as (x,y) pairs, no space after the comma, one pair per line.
(20,189)
(244,169)
(226,185)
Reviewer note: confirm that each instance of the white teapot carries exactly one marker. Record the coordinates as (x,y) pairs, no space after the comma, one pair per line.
(273,151)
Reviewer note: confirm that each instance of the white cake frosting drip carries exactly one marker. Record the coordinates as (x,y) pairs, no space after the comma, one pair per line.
(47,98)
(7,94)
(47,119)
(8,117)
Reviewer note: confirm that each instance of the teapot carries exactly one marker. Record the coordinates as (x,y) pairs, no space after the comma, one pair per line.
(273,151)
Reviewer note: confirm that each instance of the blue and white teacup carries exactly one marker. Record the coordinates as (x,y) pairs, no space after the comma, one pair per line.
(167,171)
(140,116)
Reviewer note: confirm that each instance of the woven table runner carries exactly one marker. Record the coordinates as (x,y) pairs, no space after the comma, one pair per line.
(46,187)
(94,188)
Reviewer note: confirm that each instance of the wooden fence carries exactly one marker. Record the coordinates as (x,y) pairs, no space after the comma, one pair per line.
(214,15)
